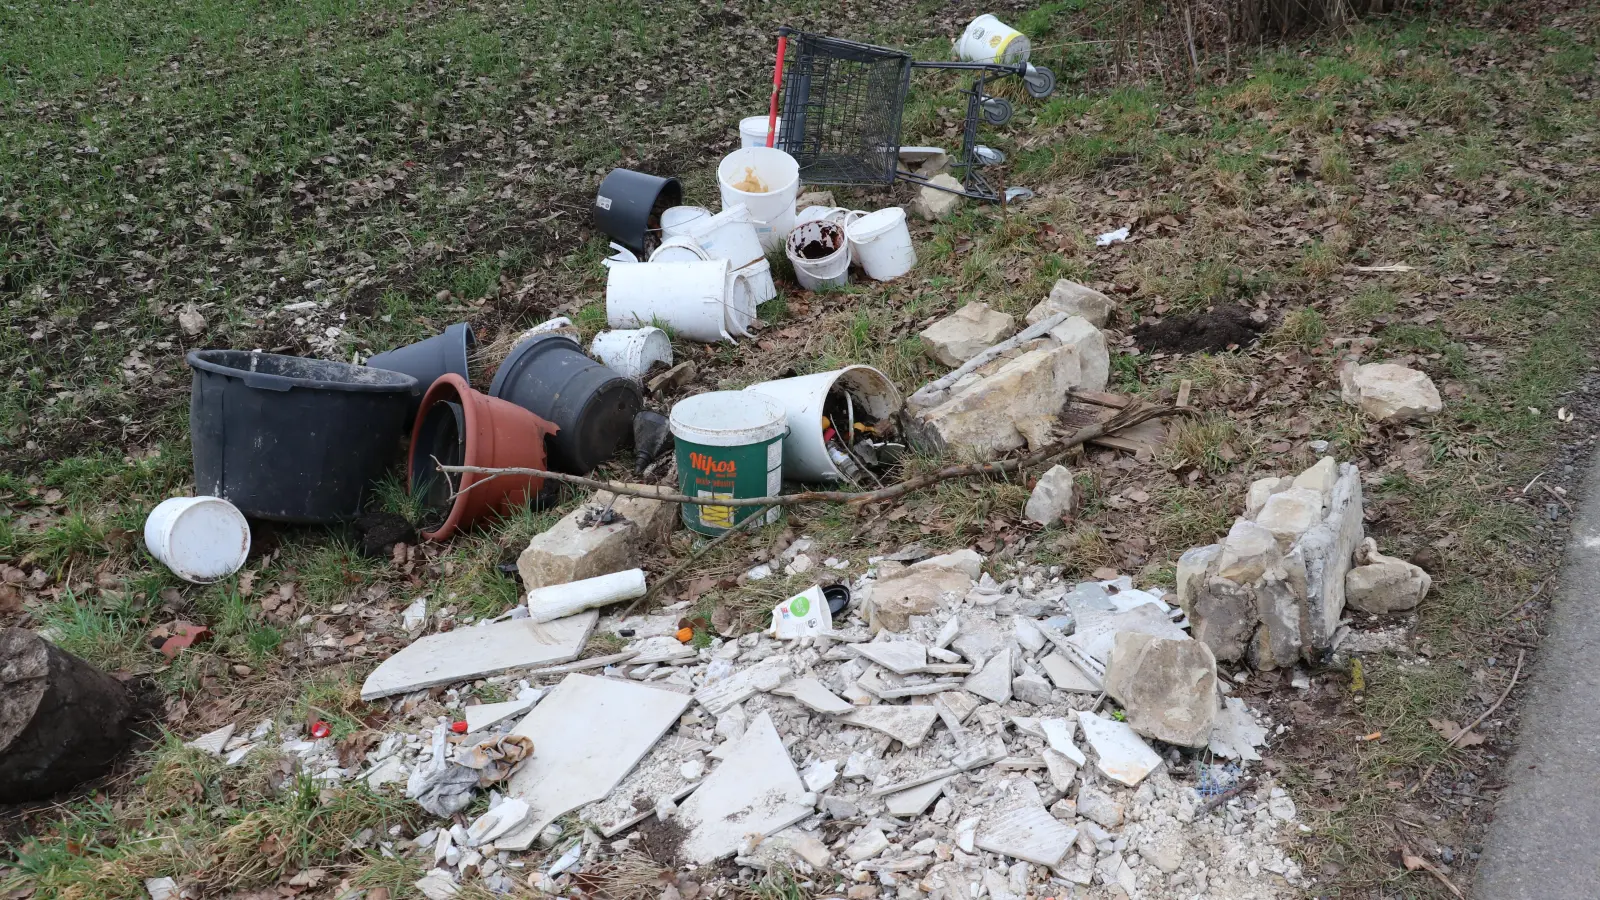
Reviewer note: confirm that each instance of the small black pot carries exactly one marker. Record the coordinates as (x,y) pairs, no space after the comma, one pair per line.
(592,405)
(427,359)
(291,439)
(625,201)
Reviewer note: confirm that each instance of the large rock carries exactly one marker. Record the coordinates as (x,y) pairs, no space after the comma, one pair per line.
(1073,299)
(965,333)
(1168,688)
(1262,490)
(1383,584)
(1222,615)
(1322,558)
(1288,514)
(1088,346)
(568,551)
(1248,552)
(892,600)
(1191,572)
(1388,392)
(933,204)
(1320,478)
(1053,498)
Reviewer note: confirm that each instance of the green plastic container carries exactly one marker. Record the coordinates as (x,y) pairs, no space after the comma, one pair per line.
(729,444)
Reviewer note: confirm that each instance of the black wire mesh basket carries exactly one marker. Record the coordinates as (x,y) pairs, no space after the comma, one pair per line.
(843,102)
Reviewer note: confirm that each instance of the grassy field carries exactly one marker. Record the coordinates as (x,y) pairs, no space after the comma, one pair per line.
(337,177)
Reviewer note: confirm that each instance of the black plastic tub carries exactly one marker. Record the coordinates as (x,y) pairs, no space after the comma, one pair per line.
(290,439)
(628,205)
(592,405)
(427,359)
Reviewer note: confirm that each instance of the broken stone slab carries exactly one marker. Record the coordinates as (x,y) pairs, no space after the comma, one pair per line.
(1032,689)
(212,743)
(1223,616)
(1087,348)
(1383,584)
(913,801)
(1262,490)
(1123,756)
(934,204)
(1099,807)
(907,724)
(960,705)
(1248,552)
(1053,498)
(754,791)
(993,681)
(868,843)
(1058,734)
(1389,393)
(965,333)
(568,551)
(724,693)
(948,632)
(1320,561)
(1235,734)
(478,651)
(1074,299)
(1027,832)
(1288,514)
(1067,676)
(915,591)
(981,638)
(899,657)
(811,694)
(1096,637)
(485,715)
(967,561)
(1167,688)
(1027,634)
(588,733)
(1321,477)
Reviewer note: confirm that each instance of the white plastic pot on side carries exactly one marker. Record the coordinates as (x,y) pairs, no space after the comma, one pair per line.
(740,313)
(547,604)
(753,131)
(758,276)
(680,219)
(767,182)
(633,352)
(689,297)
(729,235)
(679,248)
(201,539)
(805,450)
(832,270)
(989,40)
(881,243)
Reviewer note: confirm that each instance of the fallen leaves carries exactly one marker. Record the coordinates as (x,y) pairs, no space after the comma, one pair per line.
(1452,733)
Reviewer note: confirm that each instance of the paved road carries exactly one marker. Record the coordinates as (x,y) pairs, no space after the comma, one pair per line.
(1545,841)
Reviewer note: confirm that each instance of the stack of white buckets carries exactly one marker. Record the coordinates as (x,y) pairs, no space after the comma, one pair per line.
(709,273)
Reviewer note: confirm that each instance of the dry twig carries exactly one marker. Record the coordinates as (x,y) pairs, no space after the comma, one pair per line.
(1475,722)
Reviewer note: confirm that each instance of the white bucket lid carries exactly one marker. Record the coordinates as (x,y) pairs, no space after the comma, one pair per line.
(206,541)
(874,224)
(728,419)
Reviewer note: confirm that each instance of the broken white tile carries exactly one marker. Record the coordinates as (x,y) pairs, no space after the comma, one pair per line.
(993,681)
(1095,636)
(213,742)
(1058,733)
(468,653)
(907,724)
(1027,832)
(959,703)
(1067,676)
(1123,756)
(820,775)
(485,715)
(899,657)
(913,801)
(588,733)
(508,815)
(438,884)
(723,693)
(162,888)
(966,833)
(1027,634)
(1062,770)
(948,632)
(756,790)
(1236,734)
(415,614)
(869,843)
(811,693)
(390,771)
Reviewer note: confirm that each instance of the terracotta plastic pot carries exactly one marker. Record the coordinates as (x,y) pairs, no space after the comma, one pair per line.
(459,426)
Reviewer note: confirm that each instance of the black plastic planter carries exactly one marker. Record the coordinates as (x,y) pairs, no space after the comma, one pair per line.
(291,439)
(427,359)
(629,201)
(592,405)
(441,436)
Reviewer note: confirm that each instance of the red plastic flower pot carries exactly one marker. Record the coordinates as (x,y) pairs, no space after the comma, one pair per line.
(457,425)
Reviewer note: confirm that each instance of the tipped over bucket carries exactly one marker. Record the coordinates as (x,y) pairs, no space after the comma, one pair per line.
(426,360)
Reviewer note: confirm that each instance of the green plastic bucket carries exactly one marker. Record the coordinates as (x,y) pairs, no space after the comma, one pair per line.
(729,444)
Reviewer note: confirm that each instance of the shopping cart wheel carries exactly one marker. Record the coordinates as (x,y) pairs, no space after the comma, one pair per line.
(996,110)
(1040,82)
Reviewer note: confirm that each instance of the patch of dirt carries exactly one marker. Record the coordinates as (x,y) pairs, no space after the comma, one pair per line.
(1214,331)
(661,840)
(380,531)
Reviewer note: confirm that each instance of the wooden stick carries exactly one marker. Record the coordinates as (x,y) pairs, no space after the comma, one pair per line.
(1126,418)
(1224,797)
(1475,722)
(933,391)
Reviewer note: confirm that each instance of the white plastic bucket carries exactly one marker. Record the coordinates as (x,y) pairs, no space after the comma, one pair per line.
(201,539)
(680,219)
(758,276)
(771,209)
(832,270)
(631,353)
(679,248)
(753,131)
(989,40)
(740,312)
(689,297)
(838,215)
(805,451)
(729,235)
(881,243)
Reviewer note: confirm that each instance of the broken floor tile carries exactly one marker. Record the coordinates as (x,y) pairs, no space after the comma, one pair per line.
(723,693)
(485,715)
(1124,757)
(811,693)
(913,801)
(755,790)
(1058,732)
(907,724)
(1027,832)
(993,681)
(468,653)
(213,742)
(899,657)
(1067,676)
(1235,734)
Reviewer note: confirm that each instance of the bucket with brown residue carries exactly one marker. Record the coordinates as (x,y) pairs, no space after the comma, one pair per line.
(820,254)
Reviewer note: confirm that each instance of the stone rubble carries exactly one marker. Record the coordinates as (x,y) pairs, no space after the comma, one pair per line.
(965,333)
(1388,392)
(1073,299)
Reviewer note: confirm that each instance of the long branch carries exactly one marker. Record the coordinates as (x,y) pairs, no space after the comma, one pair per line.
(1125,418)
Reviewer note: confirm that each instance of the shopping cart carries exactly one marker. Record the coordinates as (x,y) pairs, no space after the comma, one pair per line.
(842,102)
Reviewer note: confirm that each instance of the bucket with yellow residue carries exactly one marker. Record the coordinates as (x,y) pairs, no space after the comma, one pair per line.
(729,444)
(767,182)
(989,40)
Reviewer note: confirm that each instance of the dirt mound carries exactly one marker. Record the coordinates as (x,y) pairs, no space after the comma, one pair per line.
(1223,328)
